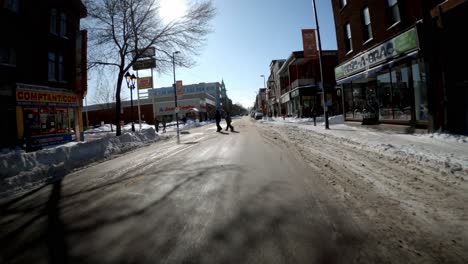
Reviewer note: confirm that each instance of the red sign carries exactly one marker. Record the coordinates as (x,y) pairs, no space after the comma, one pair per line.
(179,89)
(310,43)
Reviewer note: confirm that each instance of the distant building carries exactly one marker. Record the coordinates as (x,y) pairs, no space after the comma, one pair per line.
(42,71)
(274,88)
(300,84)
(215,89)
(261,101)
(201,105)
(400,62)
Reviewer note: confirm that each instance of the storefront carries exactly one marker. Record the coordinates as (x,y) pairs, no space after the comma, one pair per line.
(46,116)
(305,99)
(386,84)
(166,109)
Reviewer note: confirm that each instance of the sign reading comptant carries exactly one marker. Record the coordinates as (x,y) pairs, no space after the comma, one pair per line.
(31,97)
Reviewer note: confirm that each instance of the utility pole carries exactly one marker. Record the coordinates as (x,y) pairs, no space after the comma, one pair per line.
(325,107)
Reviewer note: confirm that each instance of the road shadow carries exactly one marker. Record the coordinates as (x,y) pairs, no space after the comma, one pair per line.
(34,228)
(191,143)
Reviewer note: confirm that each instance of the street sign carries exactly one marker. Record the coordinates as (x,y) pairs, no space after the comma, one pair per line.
(144,64)
(176,110)
(179,88)
(145,82)
(145,53)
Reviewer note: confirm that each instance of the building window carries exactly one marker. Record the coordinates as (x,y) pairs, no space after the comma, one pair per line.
(63,24)
(393,12)
(343,3)
(348,38)
(53,21)
(13,5)
(7,56)
(61,69)
(367,28)
(52,65)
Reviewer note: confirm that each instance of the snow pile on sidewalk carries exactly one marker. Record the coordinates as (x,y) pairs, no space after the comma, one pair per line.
(443,152)
(320,119)
(19,169)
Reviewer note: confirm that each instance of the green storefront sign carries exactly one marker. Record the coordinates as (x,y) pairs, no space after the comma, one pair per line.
(402,43)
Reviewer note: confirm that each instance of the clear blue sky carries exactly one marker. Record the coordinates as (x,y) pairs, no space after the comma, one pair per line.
(247,36)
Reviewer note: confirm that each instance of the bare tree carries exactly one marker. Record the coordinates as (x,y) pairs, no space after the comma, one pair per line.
(119,30)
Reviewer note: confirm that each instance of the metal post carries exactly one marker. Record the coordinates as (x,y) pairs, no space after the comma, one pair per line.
(152,97)
(87,120)
(175,96)
(325,107)
(138,100)
(131,106)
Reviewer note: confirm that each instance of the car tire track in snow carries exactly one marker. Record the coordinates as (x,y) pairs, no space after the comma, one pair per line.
(410,208)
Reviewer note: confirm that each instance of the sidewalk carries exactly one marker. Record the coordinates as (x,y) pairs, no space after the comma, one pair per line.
(446,150)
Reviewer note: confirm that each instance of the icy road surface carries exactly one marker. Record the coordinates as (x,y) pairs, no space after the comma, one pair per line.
(268,194)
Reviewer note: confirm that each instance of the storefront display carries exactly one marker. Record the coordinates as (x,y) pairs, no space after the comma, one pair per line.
(45,116)
(393,91)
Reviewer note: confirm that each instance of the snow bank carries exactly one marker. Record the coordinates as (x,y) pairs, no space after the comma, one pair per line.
(19,169)
(444,152)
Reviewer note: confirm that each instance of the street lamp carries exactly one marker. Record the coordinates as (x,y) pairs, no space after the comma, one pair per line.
(175,95)
(131,85)
(325,108)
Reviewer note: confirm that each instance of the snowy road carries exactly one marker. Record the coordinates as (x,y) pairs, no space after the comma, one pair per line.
(267,194)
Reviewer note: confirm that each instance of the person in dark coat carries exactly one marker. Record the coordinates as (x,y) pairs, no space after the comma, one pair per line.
(164,124)
(156,124)
(218,120)
(228,122)
(314,113)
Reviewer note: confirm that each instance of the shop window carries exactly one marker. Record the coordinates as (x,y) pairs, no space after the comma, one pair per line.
(401,93)
(393,12)
(52,66)
(355,100)
(384,95)
(367,28)
(7,56)
(46,120)
(348,38)
(420,91)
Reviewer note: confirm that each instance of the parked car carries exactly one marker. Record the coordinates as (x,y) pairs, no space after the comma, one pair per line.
(258,115)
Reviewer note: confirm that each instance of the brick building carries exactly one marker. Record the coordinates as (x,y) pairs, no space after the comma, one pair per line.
(42,71)
(396,65)
(299,82)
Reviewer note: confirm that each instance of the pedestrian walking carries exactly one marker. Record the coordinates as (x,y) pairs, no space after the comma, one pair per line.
(156,124)
(164,124)
(218,120)
(228,122)
(314,114)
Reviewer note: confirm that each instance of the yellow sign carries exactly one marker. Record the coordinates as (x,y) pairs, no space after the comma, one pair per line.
(27,97)
(145,82)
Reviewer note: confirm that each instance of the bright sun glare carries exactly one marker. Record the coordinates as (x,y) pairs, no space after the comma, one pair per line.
(172,9)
